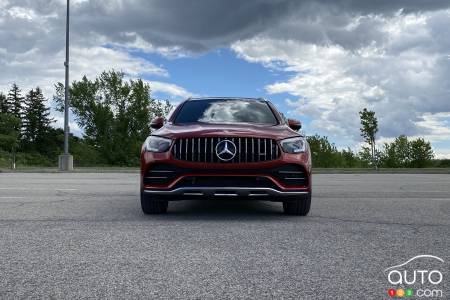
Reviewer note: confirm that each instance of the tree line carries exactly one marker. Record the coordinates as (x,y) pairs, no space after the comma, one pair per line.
(114,114)
(400,153)
(25,125)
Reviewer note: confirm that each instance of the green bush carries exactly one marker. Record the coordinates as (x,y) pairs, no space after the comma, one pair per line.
(34,159)
(26,159)
(441,163)
(5,159)
(85,155)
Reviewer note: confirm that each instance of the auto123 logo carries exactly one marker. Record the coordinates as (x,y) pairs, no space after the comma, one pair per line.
(419,277)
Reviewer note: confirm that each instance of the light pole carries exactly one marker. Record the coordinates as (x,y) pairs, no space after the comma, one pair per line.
(66,160)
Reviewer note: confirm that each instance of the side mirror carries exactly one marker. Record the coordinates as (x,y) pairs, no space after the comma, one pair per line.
(157,123)
(294,124)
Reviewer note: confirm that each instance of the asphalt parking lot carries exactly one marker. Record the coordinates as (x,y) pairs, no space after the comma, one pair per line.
(84,236)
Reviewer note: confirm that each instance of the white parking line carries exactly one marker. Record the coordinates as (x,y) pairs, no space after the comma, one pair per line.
(7,197)
(34,189)
(20,188)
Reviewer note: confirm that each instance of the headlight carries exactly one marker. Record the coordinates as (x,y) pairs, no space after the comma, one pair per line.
(294,145)
(157,144)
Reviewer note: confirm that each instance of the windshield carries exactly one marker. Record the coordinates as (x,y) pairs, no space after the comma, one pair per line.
(224,111)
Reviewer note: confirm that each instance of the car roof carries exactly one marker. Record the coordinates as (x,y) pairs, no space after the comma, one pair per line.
(224,98)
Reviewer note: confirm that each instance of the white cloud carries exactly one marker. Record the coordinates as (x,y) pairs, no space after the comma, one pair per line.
(435,126)
(22,13)
(171,89)
(35,49)
(443,154)
(403,76)
(35,68)
(92,61)
(137,43)
(390,56)
(32,52)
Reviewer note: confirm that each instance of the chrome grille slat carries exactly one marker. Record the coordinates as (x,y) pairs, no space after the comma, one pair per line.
(265,149)
(206,142)
(192,152)
(212,153)
(246,150)
(253,149)
(175,151)
(270,149)
(259,150)
(198,152)
(186,141)
(249,149)
(239,151)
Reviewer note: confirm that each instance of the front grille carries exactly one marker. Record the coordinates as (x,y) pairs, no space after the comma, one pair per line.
(248,150)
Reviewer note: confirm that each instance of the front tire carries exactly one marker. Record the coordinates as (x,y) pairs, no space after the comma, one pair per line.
(153,206)
(299,206)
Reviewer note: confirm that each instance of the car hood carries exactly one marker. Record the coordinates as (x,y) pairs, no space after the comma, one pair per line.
(276,132)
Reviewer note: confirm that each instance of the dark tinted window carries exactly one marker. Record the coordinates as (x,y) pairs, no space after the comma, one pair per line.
(220,111)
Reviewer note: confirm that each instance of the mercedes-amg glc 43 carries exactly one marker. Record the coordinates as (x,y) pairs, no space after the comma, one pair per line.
(226,148)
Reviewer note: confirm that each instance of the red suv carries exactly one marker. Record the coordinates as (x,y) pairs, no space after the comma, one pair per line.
(226,147)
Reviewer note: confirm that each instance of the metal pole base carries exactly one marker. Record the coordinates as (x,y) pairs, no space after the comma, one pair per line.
(65,162)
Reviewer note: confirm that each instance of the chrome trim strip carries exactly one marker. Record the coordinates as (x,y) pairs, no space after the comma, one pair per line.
(211,191)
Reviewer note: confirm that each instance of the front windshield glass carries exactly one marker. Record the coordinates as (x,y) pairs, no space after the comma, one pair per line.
(226,111)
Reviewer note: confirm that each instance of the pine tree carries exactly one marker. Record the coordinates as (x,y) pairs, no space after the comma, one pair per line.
(36,119)
(15,101)
(9,135)
(4,107)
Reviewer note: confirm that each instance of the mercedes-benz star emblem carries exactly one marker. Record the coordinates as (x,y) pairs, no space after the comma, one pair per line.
(225,150)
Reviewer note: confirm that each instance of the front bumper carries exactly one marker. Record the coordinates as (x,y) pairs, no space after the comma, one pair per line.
(165,177)
(252,192)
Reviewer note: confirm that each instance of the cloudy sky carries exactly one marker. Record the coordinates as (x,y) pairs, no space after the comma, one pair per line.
(318,61)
